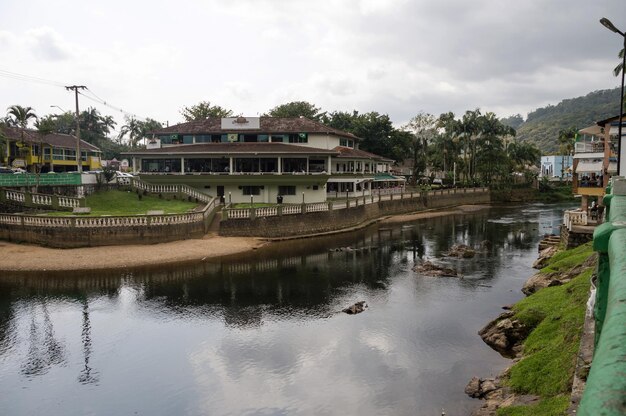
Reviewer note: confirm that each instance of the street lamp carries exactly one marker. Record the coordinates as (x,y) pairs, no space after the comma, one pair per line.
(58,108)
(607,23)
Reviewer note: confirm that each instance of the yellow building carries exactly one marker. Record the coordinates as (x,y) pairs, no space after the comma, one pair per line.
(28,149)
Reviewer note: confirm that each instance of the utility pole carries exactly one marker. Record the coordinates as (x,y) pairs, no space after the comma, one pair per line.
(79,159)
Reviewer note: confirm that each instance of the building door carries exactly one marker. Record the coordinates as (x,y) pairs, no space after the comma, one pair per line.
(220,194)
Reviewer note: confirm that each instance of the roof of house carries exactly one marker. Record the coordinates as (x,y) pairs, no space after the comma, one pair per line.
(602,123)
(234,148)
(268,125)
(350,153)
(53,139)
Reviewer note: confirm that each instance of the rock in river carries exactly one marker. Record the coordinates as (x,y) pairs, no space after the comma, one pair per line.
(356,308)
(431,269)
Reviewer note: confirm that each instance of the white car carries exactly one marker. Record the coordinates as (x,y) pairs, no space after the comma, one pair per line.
(122,178)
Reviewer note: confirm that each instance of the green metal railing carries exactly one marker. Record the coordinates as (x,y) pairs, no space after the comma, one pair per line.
(605,392)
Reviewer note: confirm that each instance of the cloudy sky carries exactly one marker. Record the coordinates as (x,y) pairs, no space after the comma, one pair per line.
(392,56)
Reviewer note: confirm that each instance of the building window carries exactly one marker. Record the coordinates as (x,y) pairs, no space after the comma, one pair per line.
(251,190)
(277,138)
(343,142)
(299,138)
(286,190)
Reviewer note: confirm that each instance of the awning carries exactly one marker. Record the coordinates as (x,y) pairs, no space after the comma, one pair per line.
(594,130)
(381,177)
(589,166)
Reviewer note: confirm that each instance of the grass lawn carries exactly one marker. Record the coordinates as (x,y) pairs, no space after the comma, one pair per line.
(557,315)
(128,203)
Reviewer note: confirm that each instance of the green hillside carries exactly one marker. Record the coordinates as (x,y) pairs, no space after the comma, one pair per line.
(542,125)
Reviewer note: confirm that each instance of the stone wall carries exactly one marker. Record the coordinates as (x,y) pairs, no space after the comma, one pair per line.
(70,237)
(319,222)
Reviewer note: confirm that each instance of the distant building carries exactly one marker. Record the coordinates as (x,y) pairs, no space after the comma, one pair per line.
(264,158)
(53,152)
(556,167)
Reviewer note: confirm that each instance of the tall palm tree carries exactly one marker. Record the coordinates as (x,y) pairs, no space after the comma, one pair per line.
(619,68)
(19,116)
(134,129)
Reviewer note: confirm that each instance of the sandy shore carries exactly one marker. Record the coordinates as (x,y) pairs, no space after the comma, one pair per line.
(23,257)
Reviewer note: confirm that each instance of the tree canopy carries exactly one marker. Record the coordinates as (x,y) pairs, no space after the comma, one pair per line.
(296,109)
(204,110)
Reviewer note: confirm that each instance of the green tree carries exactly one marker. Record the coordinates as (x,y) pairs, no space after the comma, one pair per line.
(296,109)
(423,129)
(204,110)
(619,68)
(136,130)
(19,116)
(514,121)
(567,140)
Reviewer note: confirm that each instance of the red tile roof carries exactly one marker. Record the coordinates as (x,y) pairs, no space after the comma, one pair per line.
(54,139)
(268,125)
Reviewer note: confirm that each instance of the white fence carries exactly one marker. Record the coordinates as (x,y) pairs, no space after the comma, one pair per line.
(574,217)
(288,209)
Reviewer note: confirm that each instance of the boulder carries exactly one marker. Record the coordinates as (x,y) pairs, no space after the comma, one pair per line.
(505,334)
(479,388)
(431,269)
(356,308)
(460,250)
(544,256)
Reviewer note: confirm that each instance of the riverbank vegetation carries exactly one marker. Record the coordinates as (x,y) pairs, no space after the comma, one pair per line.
(128,203)
(556,315)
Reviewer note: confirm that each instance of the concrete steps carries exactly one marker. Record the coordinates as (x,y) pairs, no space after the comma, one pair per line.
(549,241)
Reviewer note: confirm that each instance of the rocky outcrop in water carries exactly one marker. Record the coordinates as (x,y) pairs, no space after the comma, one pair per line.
(545,255)
(356,308)
(460,250)
(541,280)
(430,269)
(505,334)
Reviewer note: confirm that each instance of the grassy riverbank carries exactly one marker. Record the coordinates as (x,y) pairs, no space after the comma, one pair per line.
(129,203)
(549,352)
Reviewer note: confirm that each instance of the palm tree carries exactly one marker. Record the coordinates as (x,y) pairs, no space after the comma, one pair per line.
(134,129)
(619,68)
(19,116)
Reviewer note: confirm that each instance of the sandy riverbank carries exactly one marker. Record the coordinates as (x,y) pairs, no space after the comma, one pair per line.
(23,257)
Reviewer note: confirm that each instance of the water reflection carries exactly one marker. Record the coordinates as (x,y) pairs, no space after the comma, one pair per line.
(261,333)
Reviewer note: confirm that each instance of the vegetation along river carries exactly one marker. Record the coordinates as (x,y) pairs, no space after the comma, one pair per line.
(262,334)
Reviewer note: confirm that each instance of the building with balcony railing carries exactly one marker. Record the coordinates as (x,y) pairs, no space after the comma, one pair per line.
(595,160)
(261,158)
(54,152)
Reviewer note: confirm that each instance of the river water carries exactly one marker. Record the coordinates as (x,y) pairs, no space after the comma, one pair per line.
(262,334)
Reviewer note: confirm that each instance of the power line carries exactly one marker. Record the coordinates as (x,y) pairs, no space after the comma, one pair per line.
(30,78)
(94,97)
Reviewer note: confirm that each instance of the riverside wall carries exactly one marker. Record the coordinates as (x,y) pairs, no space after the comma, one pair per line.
(72,237)
(335,220)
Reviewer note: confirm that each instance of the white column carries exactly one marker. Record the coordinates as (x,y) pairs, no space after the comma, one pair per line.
(182,165)
(307,165)
(230,165)
(134,165)
(280,165)
(330,164)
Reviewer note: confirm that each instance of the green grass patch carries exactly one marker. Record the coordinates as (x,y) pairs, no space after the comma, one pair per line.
(553,406)
(565,260)
(556,193)
(119,203)
(557,315)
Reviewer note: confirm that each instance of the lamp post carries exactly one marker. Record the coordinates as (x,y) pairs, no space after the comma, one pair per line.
(607,23)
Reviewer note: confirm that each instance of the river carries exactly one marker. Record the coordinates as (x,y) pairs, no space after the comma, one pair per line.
(262,333)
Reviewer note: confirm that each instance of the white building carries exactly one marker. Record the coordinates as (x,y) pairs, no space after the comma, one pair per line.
(244,159)
(557,167)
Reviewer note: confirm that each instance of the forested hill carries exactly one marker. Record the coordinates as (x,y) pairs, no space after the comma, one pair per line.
(542,125)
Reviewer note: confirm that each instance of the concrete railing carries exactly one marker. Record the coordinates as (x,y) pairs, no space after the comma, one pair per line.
(32,200)
(605,391)
(75,231)
(295,209)
(574,217)
(136,183)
